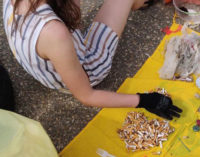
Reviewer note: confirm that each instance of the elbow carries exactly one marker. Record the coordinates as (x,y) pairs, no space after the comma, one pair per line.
(87,102)
(86,99)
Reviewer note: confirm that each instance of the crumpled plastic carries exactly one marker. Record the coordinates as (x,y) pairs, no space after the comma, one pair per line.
(182,56)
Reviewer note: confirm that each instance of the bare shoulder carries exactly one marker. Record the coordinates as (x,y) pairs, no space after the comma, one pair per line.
(54,35)
(55,29)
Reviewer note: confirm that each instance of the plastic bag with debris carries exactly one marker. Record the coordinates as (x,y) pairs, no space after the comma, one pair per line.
(182,56)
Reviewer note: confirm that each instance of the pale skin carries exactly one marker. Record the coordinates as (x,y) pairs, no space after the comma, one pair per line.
(193,1)
(59,49)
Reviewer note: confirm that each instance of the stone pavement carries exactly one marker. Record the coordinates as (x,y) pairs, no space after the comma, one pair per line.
(62,116)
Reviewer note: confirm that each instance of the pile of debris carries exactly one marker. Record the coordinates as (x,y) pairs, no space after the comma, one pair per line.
(139,133)
(182,57)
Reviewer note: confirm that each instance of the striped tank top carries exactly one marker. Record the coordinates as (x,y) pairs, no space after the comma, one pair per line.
(95,49)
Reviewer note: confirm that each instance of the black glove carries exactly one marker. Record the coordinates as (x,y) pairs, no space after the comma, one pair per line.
(159,104)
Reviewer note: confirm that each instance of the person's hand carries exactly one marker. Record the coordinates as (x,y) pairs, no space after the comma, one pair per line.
(159,104)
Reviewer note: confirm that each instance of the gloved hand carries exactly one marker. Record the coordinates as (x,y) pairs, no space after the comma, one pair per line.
(159,104)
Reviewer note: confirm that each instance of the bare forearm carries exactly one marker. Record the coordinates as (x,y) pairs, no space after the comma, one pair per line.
(107,99)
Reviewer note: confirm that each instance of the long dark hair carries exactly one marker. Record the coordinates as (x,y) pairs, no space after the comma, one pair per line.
(67,10)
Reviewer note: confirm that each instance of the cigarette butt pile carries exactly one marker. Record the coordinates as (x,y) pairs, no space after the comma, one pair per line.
(139,133)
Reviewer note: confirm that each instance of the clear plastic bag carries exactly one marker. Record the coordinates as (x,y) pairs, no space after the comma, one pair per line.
(23,137)
(182,56)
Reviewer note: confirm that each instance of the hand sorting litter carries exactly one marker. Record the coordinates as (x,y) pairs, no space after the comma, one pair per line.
(159,104)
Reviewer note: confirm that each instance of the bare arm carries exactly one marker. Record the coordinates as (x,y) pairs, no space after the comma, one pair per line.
(58,48)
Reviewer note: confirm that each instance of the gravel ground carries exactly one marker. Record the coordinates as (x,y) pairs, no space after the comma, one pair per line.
(62,116)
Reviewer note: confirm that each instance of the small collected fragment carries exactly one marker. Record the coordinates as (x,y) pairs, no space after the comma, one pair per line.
(139,133)
(156,153)
(196,128)
(198,82)
(198,122)
(160,90)
(168,31)
(103,153)
(187,79)
(197,95)
(188,149)
(185,137)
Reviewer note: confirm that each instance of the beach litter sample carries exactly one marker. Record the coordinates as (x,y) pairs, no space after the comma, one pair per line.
(182,57)
(140,133)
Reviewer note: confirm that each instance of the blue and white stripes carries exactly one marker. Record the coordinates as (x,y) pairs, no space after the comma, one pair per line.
(100,49)
(95,49)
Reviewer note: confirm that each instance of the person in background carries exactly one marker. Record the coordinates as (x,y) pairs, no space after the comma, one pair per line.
(7,100)
(44,37)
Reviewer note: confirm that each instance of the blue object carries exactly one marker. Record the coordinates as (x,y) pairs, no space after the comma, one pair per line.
(196,128)
(198,82)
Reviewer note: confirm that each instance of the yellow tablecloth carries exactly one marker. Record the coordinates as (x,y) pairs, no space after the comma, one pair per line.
(101,132)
